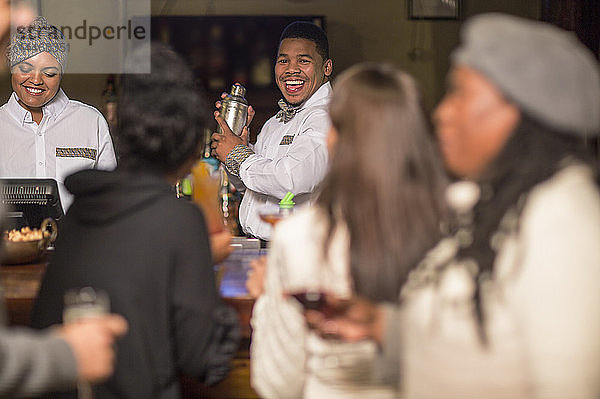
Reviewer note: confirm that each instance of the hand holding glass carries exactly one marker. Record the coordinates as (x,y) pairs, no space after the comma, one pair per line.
(80,304)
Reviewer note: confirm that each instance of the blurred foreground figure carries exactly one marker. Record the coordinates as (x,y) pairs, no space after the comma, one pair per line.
(509,305)
(32,363)
(128,234)
(353,242)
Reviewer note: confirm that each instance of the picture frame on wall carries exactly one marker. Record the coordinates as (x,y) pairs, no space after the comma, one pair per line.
(434,9)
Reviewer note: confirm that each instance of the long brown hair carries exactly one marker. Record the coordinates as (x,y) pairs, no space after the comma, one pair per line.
(385,181)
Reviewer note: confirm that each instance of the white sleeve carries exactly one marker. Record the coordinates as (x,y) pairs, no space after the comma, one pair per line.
(300,170)
(106,151)
(558,289)
(278,338)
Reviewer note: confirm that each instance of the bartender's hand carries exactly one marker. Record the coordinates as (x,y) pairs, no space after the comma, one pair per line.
(358,319)
(251,111)
(223,143)
(91,340)
(255,281)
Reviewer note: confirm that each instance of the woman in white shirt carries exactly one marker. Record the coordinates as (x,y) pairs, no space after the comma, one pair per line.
(44,133)
(378,211)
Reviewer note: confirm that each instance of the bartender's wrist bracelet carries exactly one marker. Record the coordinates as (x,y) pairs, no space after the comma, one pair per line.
(236,157)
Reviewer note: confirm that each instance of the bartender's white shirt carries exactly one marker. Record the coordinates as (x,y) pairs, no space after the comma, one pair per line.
(71,136)
(276,168)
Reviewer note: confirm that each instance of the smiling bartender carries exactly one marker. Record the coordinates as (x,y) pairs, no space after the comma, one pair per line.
(44,133)
(290,153)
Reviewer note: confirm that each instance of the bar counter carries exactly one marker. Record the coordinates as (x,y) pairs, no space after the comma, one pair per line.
(20,284)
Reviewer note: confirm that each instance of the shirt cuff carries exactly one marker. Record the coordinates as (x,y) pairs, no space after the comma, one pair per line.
(236,157)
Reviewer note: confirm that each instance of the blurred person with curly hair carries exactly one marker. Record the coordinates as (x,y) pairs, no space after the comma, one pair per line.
(128,234)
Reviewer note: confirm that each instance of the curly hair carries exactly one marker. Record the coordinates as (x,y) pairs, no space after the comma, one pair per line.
(162,115)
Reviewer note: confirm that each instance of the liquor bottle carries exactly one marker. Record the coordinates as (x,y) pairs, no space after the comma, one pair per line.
(239,61)
(262,68)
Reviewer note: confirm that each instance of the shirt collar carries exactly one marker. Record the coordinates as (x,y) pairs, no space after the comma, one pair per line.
(322,94)
(57,104)
(52,109)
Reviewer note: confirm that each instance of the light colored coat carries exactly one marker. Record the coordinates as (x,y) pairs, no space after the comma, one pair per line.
(541,307)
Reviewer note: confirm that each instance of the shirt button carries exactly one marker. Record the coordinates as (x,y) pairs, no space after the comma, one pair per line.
(40,133)
(40,163)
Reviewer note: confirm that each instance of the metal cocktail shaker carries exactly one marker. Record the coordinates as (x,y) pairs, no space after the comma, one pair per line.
(234,109)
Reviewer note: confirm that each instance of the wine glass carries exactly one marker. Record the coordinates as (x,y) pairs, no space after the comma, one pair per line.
(270,217)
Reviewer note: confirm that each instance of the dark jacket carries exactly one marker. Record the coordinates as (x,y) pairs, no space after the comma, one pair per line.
(127,234)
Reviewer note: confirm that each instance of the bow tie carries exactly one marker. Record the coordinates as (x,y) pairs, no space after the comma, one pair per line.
(287,111)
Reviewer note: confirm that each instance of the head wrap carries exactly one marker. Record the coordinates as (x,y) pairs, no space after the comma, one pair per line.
(543,69)
(37,38)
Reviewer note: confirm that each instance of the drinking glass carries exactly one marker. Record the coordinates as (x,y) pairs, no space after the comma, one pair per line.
(79,304)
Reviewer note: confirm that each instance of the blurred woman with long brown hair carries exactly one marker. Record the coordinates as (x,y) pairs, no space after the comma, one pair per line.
(378,211)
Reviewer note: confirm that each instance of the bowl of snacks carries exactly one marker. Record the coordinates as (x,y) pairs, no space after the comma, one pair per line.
(27,244)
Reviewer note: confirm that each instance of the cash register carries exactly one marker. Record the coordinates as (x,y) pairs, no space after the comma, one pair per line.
(28,201)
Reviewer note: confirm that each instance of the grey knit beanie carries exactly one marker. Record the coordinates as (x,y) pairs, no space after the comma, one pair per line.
(37,37)
(543,69)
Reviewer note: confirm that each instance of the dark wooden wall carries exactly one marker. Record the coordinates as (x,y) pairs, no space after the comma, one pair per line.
(579,16)
(583,18)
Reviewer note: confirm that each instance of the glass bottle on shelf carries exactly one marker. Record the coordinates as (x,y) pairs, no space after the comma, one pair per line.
(217,58)
(164,32)
(239,58)
(262,70)
(110,102)
(184,187)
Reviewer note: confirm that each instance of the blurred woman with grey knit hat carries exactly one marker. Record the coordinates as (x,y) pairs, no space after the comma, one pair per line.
(508,304)
(44,133)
